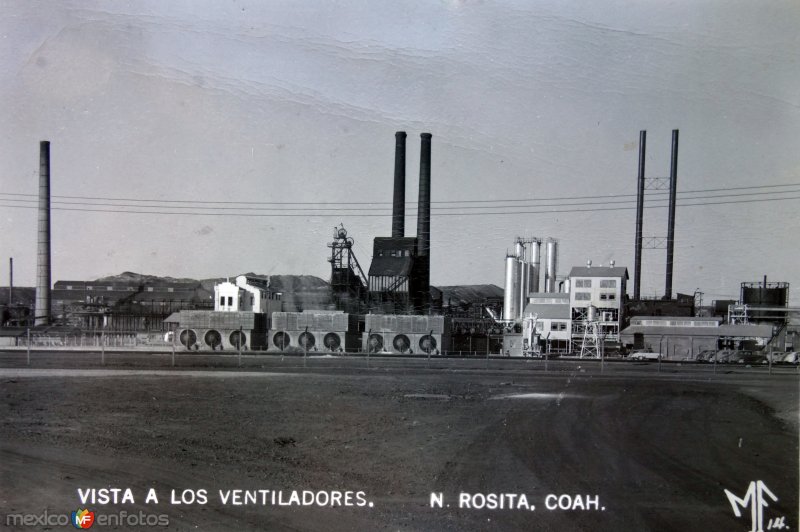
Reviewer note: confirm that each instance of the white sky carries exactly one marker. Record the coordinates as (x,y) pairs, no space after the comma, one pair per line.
(282,102)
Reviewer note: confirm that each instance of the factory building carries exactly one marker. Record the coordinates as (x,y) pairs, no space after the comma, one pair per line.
(682,338)
(399,276)
(247,294)
(240,318)
(601,287)
(125,305)
(553,325)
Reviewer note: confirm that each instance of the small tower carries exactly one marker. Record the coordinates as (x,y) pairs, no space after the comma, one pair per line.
(592,345)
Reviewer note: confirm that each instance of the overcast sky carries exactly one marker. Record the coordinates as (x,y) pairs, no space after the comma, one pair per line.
(298,102)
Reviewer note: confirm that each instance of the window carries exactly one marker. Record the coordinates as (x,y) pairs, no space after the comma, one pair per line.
(69,287)
(109,288)
(558,326)
(608,283)
(583,296)
(603,297)
(222,301)
(170,289)
(149,288)
(230,301)
(583,283)
(612,297)
(90,288)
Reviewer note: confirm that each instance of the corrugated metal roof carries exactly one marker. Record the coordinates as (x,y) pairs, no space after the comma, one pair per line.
(739,330)
(474,293)
(671,331)
(599,271)
(761,330)
(390,266)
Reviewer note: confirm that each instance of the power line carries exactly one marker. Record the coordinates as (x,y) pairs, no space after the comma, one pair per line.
(358,214)
(283,207)
(514,200)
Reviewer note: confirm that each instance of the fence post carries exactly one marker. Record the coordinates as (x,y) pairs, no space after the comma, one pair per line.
(29,346)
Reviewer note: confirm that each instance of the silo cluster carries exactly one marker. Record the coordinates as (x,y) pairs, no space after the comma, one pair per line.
(523,273)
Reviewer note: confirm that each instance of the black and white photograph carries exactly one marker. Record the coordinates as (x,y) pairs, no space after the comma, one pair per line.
(408,266)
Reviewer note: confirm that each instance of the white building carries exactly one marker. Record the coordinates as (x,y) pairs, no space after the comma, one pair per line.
(604,288)
(553,332)
(247,294)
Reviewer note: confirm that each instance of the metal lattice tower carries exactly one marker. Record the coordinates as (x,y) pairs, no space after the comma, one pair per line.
(348,282)
(592,345)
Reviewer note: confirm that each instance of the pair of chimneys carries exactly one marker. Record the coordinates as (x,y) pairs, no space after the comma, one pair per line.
(424,202)
(399,203)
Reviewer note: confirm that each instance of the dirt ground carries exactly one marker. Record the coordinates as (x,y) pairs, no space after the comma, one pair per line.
(656,453)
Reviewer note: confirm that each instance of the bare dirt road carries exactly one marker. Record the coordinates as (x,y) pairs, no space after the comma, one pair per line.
(638,451)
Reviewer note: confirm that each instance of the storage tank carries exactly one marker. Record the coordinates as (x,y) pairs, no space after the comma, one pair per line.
(535,265)
(591,313)
(551,266)
(511,292)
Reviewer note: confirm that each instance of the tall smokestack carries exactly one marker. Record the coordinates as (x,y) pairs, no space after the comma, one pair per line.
(399,204)
(42,315)
(637,260)
(424,220)
(673,187)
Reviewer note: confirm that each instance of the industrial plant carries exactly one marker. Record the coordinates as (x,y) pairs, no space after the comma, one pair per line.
(390,307)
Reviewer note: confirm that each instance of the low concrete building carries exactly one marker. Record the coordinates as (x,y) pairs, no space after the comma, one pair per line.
(553,332)
(682,338)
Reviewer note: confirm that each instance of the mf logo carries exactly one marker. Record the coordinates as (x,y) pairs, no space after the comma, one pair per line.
(756,498)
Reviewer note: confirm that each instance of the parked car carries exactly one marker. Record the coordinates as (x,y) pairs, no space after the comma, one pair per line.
(722,356)
(752,357)
(791,358)
(706,355)
(776,357)
(644,355)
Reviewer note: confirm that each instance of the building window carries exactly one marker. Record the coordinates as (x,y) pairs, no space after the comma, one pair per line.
(583,283)
(90,288)
(608,283)
(612,297)
(222,301)
(149,288)
(109,288)
(170,289)
(603,297)
(230,301)
(583,296)
(69,287)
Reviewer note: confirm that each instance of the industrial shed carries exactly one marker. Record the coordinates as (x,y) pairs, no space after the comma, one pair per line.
(679,337)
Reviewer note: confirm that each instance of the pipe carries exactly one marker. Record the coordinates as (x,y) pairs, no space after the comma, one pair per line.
(399,200)
(637,261)
(424,222)
(42,309)
(673,187)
